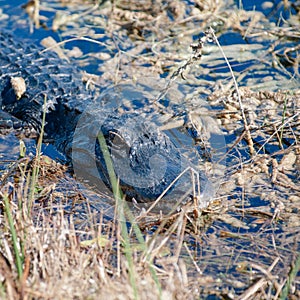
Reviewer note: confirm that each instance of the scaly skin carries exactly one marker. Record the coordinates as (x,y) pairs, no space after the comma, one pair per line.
(74,118)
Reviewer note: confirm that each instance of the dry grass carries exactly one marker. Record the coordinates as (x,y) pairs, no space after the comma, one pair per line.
(57,263)
(55,243)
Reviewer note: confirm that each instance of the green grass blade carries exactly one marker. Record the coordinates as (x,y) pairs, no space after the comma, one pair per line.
(125,212)
(119,202)
(291,277)
(36,166)
(13,231)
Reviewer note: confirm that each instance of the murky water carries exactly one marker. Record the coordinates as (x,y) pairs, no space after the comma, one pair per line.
(133,51)
(248,55)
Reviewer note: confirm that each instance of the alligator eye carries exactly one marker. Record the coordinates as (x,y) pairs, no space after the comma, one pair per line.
(118,144)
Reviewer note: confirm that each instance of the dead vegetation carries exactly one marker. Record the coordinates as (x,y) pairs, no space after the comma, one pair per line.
(245,244)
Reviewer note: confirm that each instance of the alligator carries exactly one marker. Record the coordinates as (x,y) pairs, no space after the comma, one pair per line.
(35,83)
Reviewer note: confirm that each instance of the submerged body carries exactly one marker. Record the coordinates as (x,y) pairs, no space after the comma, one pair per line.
(145,160)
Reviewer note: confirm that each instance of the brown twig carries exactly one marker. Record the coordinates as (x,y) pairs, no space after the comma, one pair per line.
(196,56)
